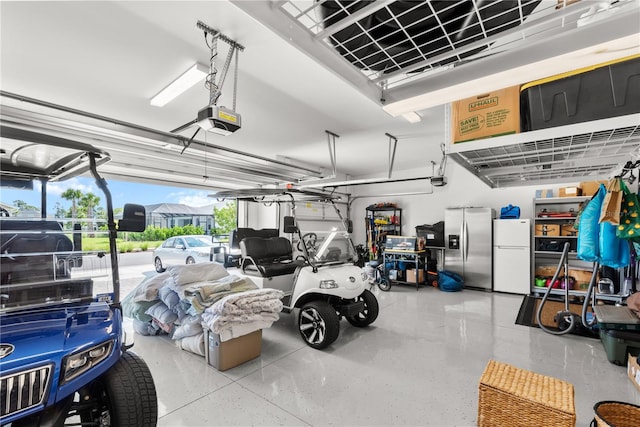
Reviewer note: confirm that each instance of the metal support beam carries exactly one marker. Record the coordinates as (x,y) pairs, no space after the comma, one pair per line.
(331,141)
(393,143)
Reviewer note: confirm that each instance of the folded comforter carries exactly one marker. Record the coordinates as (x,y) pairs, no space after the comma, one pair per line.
(259,307)
(201,295)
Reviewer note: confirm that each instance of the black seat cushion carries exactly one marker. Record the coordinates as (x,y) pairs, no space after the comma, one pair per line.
(268,257)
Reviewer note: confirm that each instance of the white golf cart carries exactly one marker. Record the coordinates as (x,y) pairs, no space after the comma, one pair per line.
(311,261)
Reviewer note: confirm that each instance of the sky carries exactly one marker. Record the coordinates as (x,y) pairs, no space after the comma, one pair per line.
(121,192)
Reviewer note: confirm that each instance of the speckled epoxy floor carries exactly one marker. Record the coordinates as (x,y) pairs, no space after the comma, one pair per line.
(418,365)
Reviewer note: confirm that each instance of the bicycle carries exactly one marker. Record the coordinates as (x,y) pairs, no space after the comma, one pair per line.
(380,277)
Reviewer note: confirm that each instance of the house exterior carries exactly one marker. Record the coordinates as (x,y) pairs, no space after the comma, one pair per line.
(175,214)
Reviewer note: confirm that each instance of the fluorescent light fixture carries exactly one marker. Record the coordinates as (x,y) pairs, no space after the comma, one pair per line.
(582,58)
(193,75)
(412,117)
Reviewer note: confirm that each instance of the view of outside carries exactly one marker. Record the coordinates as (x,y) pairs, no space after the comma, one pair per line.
(79,202)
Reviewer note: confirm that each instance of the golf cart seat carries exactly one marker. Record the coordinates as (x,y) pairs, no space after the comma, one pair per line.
(233,259)
(268,257)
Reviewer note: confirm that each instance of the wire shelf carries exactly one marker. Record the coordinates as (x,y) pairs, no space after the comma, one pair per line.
(393,43)
(596,152)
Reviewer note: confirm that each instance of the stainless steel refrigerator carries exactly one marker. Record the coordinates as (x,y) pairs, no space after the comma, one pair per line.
(468,245)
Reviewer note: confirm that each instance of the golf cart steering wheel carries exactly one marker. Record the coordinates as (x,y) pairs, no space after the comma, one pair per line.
(309,240)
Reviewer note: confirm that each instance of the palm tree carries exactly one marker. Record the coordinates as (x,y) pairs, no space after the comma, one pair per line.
(73,195)
(89,201)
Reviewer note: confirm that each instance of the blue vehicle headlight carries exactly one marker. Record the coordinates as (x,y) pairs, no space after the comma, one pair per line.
(79,363)
(328,284)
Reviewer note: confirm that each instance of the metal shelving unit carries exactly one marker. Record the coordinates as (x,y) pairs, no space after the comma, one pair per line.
(381,222)
(551,258)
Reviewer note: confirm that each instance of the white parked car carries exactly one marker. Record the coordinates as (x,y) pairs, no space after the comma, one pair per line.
(183,250)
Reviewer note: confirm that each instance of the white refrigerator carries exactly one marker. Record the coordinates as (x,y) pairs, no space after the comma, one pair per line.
(512,256)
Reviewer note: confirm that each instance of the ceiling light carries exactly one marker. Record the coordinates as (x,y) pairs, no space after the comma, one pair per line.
(610,51)
(412,117)
(193,75)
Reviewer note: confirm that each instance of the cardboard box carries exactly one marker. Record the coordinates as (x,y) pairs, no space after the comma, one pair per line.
(570,192)
(411,276)
(224,355)
(633,370)
(582,278)
(544,194)
(568,230)
(589,188)
(491,114)
(551,230)
(548,271)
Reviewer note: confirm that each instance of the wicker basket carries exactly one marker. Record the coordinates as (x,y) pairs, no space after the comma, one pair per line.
(616,414)
(509,396)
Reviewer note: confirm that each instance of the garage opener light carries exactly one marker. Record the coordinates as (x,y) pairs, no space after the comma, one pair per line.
(196,73)
(214,118)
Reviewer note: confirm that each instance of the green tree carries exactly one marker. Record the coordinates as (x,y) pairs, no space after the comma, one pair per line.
(73,195)
(24,206)
(226,218)
(60,211)
(89,202)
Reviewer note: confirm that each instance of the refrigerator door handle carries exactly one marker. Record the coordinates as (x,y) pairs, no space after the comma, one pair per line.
(465,237)
(461,244)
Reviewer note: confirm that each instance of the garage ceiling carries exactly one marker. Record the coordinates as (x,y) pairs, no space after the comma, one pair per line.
(298,76)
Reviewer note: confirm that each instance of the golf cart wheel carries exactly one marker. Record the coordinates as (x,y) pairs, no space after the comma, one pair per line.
(124,396)
(319,324)
(370,312)
(190,260)
(158,264)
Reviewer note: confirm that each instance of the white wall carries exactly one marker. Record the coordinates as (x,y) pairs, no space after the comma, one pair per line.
(462,189)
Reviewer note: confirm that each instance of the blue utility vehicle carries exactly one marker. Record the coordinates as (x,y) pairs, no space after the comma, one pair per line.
(63,353)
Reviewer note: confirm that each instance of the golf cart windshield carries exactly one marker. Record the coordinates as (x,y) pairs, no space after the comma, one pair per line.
(325,242)
(320,235)
(42,258)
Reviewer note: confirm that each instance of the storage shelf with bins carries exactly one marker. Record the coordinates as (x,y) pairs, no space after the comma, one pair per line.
(382,221)
(555,217)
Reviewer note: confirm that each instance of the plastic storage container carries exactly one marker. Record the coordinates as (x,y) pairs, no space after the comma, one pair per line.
(619,344)
(433,235)
(605,90)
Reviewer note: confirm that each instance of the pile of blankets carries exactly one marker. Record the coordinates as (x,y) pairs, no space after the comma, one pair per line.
(186,299)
